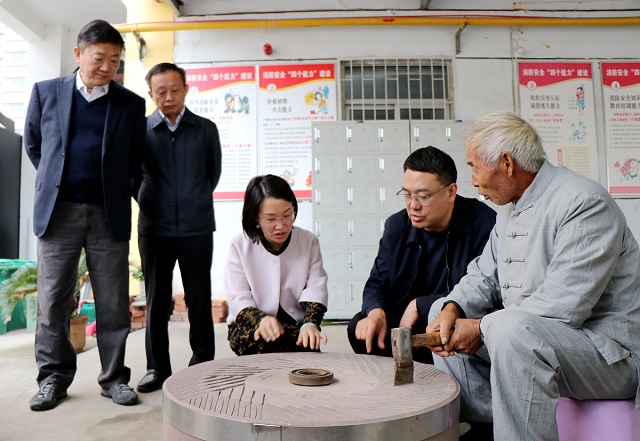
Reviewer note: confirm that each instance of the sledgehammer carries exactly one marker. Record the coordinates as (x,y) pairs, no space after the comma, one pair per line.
(401,343)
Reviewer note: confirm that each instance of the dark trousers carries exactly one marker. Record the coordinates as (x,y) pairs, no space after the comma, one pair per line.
(194,256)
(423,355)
(74,226)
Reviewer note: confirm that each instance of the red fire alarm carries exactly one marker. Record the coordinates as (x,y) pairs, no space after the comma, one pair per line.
(268,50)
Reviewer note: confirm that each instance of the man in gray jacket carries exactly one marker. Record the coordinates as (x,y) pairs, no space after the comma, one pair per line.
(181,169)
(565,266)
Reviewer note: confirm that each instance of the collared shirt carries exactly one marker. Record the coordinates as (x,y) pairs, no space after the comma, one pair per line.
(173,127)
(96,92)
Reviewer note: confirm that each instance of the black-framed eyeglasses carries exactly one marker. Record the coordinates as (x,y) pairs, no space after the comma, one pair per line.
(419,199)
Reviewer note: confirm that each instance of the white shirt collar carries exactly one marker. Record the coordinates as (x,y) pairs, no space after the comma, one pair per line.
(96,92)
(173,127)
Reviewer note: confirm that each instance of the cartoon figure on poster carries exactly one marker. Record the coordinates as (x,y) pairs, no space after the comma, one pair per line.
(580,99)
(289,175)
(579,133)
(234,103)
(318,98)
(629,170)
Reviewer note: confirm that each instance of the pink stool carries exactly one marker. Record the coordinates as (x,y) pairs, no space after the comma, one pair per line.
(597,420)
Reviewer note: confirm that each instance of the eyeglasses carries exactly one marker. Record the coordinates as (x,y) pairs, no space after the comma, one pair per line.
(419,199)
(273,220)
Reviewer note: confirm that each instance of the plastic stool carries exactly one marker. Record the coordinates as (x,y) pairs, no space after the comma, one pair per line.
(597,420)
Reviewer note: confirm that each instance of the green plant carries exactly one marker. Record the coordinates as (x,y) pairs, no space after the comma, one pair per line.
(24,281)
(17,285)
(136,271)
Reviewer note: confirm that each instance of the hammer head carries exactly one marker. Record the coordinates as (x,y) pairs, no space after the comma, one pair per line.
(402,356)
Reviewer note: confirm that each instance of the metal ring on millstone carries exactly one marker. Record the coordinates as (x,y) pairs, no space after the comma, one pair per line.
(250,398)
(311,377)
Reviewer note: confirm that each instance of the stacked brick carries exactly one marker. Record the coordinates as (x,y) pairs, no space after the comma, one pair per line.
(179,313)
(219,310)
(138,314)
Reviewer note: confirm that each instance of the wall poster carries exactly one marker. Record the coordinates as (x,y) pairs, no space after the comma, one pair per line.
(292,96)
(557,99)
(228,96)
(621,95)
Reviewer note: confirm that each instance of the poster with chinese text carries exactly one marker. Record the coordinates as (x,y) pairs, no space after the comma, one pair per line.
(228,97)
(621,95)
(557,99)
(292,96)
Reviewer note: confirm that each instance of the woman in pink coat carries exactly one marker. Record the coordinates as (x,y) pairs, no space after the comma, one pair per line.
(274,280)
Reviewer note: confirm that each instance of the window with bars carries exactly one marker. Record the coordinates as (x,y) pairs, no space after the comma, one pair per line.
(396,89)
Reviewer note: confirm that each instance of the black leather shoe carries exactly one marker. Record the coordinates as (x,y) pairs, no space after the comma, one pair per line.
(47,397)
(150,382)
(121,394)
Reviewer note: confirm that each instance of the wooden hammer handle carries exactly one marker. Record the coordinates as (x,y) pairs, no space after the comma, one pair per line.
(422,340)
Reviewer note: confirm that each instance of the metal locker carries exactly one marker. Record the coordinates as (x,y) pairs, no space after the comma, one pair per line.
(334,261)
(390,168)
(329,200)
(361,168)
(394,137)
(363,231)
(328,137)
(425,134)
(362,199)
(328,169)
(331,231)
(361,137)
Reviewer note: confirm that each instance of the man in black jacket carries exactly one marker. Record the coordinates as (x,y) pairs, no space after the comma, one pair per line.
(181,169)
(423,253)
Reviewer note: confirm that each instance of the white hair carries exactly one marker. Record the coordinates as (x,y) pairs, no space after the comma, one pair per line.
(500,132)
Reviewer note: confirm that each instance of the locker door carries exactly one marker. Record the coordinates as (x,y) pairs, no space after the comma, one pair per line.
(389,203)
(329,200)
(328,137)
(361,168)
(362,199)
(424,134)
(390,168)
(394,137)
(337,307)
(331,231)
(363,231)
(353,299)
(334,261)
(360,261)
(361,137)
(329,169)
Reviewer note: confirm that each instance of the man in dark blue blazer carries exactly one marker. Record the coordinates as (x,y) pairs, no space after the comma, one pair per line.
(84,133)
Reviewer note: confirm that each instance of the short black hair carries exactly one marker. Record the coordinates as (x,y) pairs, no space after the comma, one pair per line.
(164,67)
(260,188)
(99,31)
(432,160)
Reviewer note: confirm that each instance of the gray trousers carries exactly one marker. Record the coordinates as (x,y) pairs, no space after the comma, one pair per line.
(74,226)
(527,363)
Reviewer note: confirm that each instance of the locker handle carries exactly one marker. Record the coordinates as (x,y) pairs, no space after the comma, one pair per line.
(350,292)
(350,228)
(318,228)
(317,164)
(350,257)
(383,195)
(381,164)
(349,165)
(416,133)
(350,195)
(348,133)
(318,196)
(381,133)
(316,134)
(447,131)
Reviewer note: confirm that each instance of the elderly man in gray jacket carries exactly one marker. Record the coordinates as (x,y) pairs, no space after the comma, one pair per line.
(565,266)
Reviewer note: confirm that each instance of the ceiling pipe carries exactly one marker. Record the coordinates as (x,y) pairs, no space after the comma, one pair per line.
(461,21)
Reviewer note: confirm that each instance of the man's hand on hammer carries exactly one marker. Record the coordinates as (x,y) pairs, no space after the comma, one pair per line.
(456,334)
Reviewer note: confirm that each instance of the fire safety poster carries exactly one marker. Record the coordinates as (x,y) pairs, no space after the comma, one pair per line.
(228,97)
(292,96)
(621,95)
(557,99)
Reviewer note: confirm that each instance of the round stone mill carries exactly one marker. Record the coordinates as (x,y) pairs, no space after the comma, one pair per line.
(253,398)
